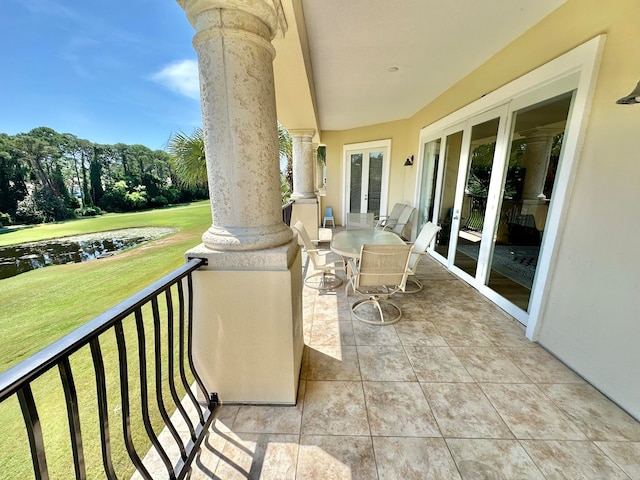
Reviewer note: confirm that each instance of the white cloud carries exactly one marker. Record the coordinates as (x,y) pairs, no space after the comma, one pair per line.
(181,77)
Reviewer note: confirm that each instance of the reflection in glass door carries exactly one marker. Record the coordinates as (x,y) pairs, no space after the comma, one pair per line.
(453,147)
(431,160)
(527,190)
(474,200)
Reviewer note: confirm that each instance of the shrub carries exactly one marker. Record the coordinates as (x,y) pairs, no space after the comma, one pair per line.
(42,206)
(5,219)
(89,211)
(158,201)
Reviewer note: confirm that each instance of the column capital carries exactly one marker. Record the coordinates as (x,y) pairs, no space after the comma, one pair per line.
(270,12)
(305,133)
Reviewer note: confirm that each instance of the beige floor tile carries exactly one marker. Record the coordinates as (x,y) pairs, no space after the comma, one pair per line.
(493,459)
(332,333)
(271,419)
(328,362)
(529,413)
(423,334)
(410,415)
(594,413)
(383,363)
(440,312)
(506,334)
(374,334)
(464,334)
(572,460)
(336,458)
(540,366)
(437,364)
(462,410)
(409,458)
(258,456)
(334,408)
(625,454)
(489,365)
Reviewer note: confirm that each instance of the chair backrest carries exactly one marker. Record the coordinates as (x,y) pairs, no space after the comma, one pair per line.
(403,224)
(307,244)
(383,264)
(360,221)
(393,217)
(328,212)
(421,244)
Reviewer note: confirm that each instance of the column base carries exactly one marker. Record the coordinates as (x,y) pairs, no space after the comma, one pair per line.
(247,324)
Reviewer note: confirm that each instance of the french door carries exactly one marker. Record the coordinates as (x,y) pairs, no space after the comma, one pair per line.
(493,189)
(366,177)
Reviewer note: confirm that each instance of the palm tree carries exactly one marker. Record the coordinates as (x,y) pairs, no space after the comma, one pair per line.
(188,158)
(190,164)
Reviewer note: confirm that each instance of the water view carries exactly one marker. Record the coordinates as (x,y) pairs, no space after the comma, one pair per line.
(16,259)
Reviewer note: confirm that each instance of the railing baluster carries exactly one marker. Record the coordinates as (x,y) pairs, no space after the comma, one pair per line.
(103,411)
(144,395)
(157,348)
(170,364)
(34,432)
(124,397)
(190,339)
(183,375)
(73,414)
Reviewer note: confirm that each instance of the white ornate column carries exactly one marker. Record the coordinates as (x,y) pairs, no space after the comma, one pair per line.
(536,162)
(305,207)
(247,302)
(302,164)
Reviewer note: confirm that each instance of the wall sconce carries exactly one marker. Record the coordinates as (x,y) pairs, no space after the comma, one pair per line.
(633,97)
(409,161)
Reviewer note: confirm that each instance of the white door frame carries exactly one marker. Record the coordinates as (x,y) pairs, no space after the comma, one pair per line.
(382,145)
(576,69)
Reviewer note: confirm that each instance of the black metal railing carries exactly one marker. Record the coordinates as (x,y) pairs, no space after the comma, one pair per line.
(287,208)
(165,367)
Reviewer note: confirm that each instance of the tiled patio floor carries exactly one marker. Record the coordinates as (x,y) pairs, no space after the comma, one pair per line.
(454,390)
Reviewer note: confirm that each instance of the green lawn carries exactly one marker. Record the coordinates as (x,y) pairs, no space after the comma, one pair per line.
(39,307)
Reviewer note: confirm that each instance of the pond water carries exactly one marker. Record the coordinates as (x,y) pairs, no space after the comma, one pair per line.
(16,259)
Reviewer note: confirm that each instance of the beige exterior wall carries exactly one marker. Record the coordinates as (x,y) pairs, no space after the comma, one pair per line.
(591,316)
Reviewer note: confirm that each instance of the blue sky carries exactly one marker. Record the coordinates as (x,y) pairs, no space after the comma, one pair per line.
(108,71)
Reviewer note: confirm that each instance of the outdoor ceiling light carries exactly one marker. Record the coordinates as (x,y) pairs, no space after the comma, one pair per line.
(409,161)
(633,97)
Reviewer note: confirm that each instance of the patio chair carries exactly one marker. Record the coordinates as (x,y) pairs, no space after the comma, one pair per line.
(403,225)
(328,217)
(324,262)
(390,220)
(418,250)
(381,272)
(360,221)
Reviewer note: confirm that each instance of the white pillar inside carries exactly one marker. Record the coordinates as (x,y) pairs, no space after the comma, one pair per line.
(305,207)
(247,301)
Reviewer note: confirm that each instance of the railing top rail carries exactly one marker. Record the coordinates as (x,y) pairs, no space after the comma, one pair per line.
(33,367)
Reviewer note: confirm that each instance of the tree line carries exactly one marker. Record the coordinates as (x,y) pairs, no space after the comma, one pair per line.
(48,176)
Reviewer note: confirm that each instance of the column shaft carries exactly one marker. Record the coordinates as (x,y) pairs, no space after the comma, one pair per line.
(235,60)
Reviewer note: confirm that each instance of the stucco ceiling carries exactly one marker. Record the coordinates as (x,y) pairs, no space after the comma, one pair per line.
(433,44)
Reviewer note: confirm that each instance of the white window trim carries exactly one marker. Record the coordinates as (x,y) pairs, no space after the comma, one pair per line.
(384,187)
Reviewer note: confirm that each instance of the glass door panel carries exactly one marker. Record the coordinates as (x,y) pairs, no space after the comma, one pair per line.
(374,187)
(453,148)
(527,190)
(476,189)
(355,187)
(431,159)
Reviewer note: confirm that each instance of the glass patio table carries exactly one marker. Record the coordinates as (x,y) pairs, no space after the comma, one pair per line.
(348,243)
